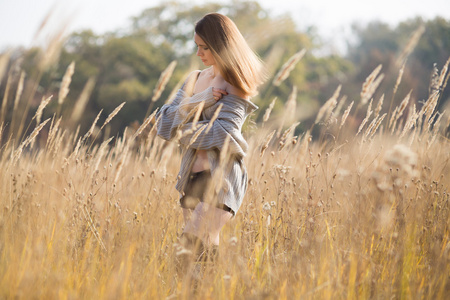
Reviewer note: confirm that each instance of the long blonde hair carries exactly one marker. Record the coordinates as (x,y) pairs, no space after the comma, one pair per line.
(236,61)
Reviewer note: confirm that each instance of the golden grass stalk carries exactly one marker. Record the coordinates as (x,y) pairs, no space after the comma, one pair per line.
(52,52)
(411,121)
(291,105)
(5,98)
(112,115)
(398,112)
(345,114)
(434,117)
(269,110)
(366,119)
(55,138)
(81,103)
(4,59)
(65,83)
(370,84)
(399,78)
(163,80)
(197,134)
(340,105)
(54,126)
(19,90)
(412,43)
(442,75)
(377,125)
(91,130)
(266,143)
(434,80)
(154,127)
(379,106)
(286,134)
(28,140)
(42,105)
(224,152)
(214,117)
(403,104)
(289,110)
(121,163)
(287,67)
(144,124)
(198,112)
(429,107)
(1,132)
(92,227)
(437,124)
(101,151)
(289,130)
(328,106)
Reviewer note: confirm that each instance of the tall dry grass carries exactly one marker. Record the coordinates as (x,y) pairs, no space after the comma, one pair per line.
(353,216)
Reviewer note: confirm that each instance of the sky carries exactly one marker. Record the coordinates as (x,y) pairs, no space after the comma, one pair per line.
(20,19)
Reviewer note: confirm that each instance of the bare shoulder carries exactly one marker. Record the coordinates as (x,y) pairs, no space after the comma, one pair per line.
(189,83)
(193,76)
(236,92)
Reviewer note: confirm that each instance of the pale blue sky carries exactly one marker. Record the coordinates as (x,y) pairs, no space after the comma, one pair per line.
(19,19)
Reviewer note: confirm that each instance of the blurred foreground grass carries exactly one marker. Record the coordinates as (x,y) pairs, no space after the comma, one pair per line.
(359,211)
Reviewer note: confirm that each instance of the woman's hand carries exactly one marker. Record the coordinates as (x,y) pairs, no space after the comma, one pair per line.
(218,93)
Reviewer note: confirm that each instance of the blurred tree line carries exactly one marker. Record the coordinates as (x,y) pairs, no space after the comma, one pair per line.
(126,65)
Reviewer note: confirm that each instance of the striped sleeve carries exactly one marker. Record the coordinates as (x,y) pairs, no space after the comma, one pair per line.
(171,116)
(228,124)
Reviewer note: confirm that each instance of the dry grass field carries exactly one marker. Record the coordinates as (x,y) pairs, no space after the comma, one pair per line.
(360,211)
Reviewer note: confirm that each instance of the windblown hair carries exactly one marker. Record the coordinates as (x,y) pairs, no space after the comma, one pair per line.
(236,61)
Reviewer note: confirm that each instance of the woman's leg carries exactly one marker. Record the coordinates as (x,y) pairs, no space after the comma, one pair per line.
(206,222)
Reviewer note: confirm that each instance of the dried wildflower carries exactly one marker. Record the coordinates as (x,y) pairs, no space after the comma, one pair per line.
(266,206)
(403,158)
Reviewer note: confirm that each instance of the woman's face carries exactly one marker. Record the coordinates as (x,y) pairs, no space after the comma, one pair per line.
(204,52)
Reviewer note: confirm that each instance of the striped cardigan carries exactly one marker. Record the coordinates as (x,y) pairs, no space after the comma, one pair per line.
(175,117)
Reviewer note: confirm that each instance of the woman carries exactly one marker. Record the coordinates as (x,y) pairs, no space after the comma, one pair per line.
(233,74)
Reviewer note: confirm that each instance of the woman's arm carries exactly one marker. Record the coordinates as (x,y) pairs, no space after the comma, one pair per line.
(227,125)
(173,115)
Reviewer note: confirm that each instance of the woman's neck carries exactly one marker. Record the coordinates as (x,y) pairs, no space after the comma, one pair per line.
(214,71)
